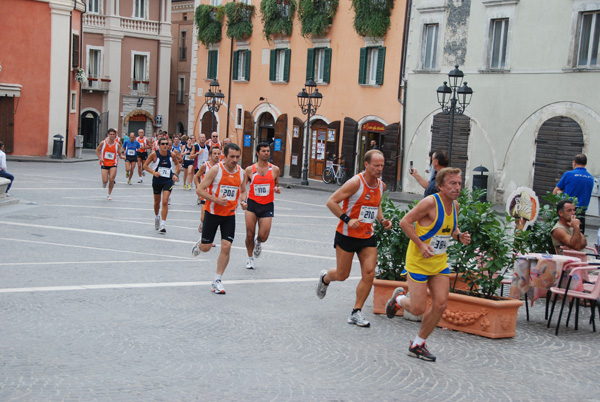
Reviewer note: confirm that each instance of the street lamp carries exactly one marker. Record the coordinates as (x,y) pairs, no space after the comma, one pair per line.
(450,96)
(309,101)
(213,100)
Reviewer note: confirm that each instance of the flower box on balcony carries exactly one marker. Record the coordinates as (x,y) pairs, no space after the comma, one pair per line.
(92,79)
(145,82)
(137,82)
(105,79)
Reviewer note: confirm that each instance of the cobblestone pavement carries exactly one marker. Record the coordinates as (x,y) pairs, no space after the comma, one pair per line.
(95,305)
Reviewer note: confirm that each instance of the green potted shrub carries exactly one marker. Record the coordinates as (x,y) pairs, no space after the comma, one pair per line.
(277,17)
(209,22)
(372,17)
(239,20)
(315,16)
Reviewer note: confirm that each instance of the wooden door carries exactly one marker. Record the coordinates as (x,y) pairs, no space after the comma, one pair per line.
(278,149)
(390,152)
(350,135)
(297,153)
(317,152)
(440,135)
(209,121)
(248,141)
(7,123)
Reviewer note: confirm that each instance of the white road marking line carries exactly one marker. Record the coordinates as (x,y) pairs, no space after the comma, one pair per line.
(155,285)
(11,264)
(97,248)
(302,203)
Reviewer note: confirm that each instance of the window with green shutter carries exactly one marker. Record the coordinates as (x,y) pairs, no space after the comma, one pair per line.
(279,65)
(213,57)
(236,60)
(241,65)
(310,64)
(371,65)
(273,65)
(362,66)
(327,65)
(380,65)
(247,66)
(318,64)
(286,68)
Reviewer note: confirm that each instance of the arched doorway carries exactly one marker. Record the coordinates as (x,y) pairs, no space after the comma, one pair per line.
(180,128)
(372,136)
(558,141)
(89,129)
(209,124)
(266,128)
(137,122)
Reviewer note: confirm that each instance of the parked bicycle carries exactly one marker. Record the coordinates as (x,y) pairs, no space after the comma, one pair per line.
(335,172)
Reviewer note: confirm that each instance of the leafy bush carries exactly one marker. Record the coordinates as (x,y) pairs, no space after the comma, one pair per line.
(209,21)
(372,17)
(277,17)
(316,15)
(239,20)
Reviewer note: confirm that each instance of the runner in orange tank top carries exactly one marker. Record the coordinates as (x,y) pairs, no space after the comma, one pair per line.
(214,158)
(142,153)
(109,151)
(263,181)
(222,187)
(361,197)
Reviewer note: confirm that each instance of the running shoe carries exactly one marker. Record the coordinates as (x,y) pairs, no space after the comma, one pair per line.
(162,229)
(357,318)
(217,287)
(184,187)
(143,173)
(140,180)
(321,287)
(196,249)
(169,202)
(198,201)
(250,264)
(156,222)
(392,307)
(420,352)
(108,197)
(257,248)
(104,185)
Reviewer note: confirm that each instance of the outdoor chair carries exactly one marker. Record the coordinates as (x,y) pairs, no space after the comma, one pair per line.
(591,296)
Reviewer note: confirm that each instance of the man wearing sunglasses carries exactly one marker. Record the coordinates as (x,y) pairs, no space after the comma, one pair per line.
(163,181)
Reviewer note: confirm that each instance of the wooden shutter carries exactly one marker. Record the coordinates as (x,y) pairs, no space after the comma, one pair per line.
(75,52)
(247,66)
(350,136)
(440,133)
(286,66)
(213,58)
(362,66)
(380,65)
(327,65)
(273,65)
(7,122)
(297,149)
(558,141)
(280,131)
(310,64)
(236,63)
(248,151)
(390,152)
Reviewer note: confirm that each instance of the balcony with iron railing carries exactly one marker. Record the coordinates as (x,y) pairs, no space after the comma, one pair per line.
(139,87)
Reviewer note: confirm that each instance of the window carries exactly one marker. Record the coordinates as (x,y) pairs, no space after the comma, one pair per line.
(94,63)
(247,2)
(211,70)
(241,65)
(216,2)
(93,6)
(239,116)
(181,89)
(318,64)
(371,65)
(279,65)
(499,36)
(183,46)
(73,103)
(75,51)
(139,9)
(139,73)
(589,35)
(429,49)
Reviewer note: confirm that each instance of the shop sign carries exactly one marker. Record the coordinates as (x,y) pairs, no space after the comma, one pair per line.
(373,126)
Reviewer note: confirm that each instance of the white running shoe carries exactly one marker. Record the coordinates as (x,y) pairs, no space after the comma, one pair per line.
(140,180)
(217,287)
(250,263)
(357,318)
(257,248)
(198,201)
(196,249)
(129,182)
(162,229)
(156,222)
(108,197)
(321,287)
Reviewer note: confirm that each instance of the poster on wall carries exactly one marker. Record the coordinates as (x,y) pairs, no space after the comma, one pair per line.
(296,132)
(247,140)
(295,160)
(277,145)
(523,206)
(331,135)
(314,145)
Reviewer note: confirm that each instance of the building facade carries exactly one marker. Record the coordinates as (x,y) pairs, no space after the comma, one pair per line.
(532,108)
(39,93)
(127,58)
(358,77)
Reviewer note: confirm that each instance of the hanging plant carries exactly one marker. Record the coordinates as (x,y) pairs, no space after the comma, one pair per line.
(277,17)
(316,15)
(209,21)
(239,20)
(372,17)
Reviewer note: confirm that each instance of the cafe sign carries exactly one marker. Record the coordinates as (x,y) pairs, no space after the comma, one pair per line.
(373,126)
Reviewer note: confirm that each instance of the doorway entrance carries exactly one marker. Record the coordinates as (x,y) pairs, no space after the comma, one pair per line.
(318,143)
(89,129)
(372,137)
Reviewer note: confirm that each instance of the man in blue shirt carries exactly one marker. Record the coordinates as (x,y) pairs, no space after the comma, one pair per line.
(577,183)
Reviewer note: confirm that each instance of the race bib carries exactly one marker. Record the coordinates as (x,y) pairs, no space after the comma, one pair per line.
(229,192)
(367,214)
(131,152)
(164,172)
(440,244)
(262,190)
(109,156)
(186,157)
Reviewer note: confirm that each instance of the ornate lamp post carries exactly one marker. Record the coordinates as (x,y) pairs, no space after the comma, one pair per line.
(213,100)
(454,99)
(309,101)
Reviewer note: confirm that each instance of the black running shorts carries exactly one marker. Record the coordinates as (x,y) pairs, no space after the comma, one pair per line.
(261,210)
(353,244)
(212,222)
(158,188)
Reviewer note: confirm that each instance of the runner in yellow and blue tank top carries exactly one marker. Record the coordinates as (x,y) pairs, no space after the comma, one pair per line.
(430,226)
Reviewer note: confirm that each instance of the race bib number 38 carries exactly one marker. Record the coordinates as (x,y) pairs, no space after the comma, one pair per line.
(439,244)
(229,192)
(367,214)
(261,190)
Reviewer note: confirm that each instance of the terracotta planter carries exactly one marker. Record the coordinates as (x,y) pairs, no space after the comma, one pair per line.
(469,314)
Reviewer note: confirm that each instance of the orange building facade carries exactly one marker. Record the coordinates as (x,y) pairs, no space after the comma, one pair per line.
(39,93)
(358,77)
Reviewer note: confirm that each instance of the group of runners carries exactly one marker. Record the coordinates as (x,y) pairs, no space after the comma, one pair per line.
(222,185)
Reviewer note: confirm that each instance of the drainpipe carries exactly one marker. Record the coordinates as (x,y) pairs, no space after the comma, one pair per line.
(69,77)
(80,58)
(402,94)
(229,87)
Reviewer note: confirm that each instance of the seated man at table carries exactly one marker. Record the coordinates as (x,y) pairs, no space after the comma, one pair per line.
(566,233)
